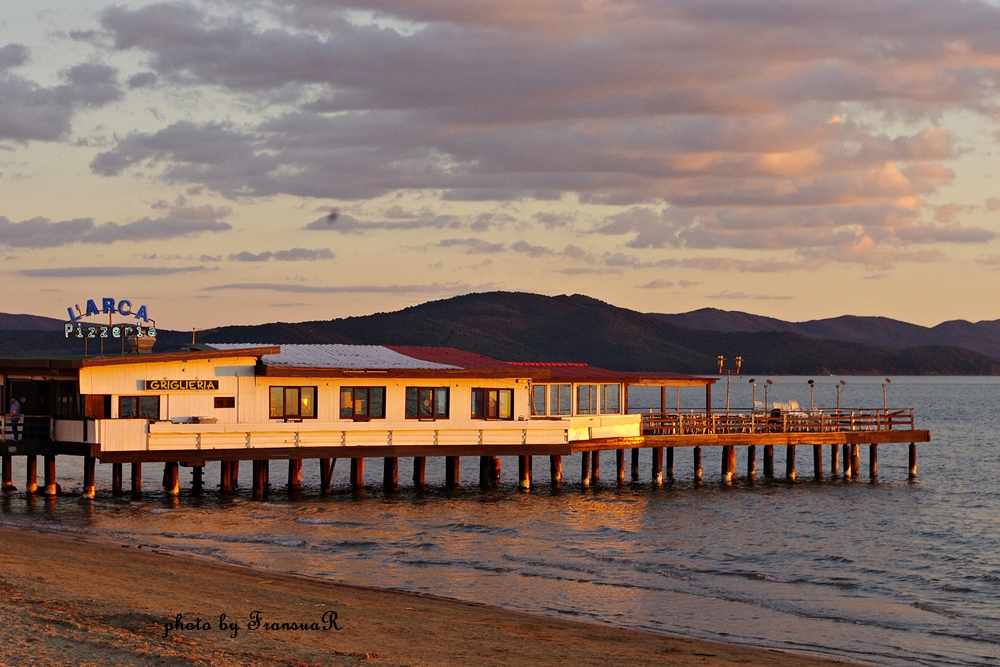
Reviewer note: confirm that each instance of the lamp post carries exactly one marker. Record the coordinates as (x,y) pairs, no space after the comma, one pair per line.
(885,401)
(839,387)
(753,402)
(729,374)
(767,385)
(812,395)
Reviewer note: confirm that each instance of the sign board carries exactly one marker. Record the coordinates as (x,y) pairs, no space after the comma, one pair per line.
(108,307)
(80,330)
(181,385)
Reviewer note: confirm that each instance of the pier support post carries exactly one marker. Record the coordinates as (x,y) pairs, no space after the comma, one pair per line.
(197,478)
(656,470)
(390,474)
(261,472)
(234,469)
(495,470)
(7,475)
(89,465)
(225,477)
(834,460)
(790,462)
(668,466)
(51,488)
(595,467)
(727,473)
(855,462)
(873,460)
(357,474)
(116,479)
(31,474)
(697,465)
(172,478)
(585,468)
(326,467)
(294,475)
(620,463)
(524,473)
(451,472)
(751,462)
(419,472)
(913,461)
(818,461)
(485,468)
(555,469)
(635,464)
(847,461)
(136,479)
(769,461)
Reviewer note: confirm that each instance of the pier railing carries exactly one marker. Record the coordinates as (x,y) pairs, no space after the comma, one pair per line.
(806,421)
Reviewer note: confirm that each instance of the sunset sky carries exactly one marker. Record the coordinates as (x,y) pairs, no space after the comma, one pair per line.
(794,159)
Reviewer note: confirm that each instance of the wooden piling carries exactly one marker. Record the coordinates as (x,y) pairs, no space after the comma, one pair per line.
(635,464)
(234,470)
(451,472)
(172,478)
(197,478)
(51,488)
(873,460)
(555,470)
(790,462)
(620,464)
(913,461)
(8,474)
(818,461)
(326,467)
(769,461)
(855,461)
(834,461)
(751,462)
(524,473)
(585,468)
(31,474)
(847,460)
(656,470)
(419,472)
(668,466)
(89,466)
(495,469)
(294,475)
(727,472)
(225,477)
(116,479)
(261,472)
(390,474)
(697,464)
(357,474)
(485,466)
(595,467)
(136,479)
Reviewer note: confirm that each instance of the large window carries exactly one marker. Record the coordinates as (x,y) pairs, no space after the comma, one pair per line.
(139,407)
(427,402)
(586,399)
(538,399)
(492,403)
(362,402)
(561,399)
(293,403)
(611,399)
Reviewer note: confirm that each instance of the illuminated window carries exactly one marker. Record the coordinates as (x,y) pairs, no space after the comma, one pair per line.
(586,399)
(293,403)
(362,402)
(139,407)
(492,403)
(427,402)
(611,399)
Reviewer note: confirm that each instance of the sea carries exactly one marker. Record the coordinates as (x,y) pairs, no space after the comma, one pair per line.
(886,571)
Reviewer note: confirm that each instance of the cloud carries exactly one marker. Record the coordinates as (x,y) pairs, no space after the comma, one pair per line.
(108,271)
(347,224)
(472,246)
(659,283)
(432,288)
(293,255)
(43,233)
(737,296)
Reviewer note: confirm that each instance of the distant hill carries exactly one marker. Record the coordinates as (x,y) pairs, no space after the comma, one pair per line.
(22,322)
(983,337)
(529,327)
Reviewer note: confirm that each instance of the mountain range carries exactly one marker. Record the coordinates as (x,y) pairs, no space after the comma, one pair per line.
(518,326)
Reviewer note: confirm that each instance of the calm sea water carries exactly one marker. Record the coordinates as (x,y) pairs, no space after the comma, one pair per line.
(890,572)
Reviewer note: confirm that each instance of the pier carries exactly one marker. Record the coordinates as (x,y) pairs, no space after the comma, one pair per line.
(288,405)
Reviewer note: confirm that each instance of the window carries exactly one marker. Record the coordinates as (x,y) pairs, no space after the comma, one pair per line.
(139,407)
(362,402)
(225,401)
(538,399)
(611,399)
(293,403)
(586,399)
(561,399)
(492,403)
(427,402)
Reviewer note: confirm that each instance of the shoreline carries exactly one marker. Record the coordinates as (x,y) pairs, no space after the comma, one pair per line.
(67,597)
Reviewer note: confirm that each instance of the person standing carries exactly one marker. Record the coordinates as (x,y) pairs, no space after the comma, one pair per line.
(15,419)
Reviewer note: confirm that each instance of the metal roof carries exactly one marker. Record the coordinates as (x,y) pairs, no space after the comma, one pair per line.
(359,357)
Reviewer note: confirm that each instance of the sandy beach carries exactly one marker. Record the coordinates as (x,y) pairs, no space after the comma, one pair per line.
(67,601)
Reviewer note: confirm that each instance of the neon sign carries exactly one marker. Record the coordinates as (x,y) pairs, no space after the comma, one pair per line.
(108,307)
(108,331)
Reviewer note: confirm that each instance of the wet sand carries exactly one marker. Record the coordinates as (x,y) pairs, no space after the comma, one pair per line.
(68,601)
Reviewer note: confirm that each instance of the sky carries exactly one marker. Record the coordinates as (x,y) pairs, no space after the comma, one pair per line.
(255,161)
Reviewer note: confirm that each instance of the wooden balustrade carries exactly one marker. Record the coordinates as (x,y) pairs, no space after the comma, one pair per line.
(806,421)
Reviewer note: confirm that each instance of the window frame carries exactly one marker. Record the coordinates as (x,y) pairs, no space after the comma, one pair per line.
(285,389)
(556,393)
(354,415)
(480,400)
(138,407)
(591,392)
(602,391)
(543,390)
(224,402)
(434,396)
